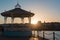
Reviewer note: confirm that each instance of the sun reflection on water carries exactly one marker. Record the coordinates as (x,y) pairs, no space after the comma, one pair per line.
(34,38)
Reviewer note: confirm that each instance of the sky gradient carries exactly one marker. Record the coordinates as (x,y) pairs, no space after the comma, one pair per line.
(44,10)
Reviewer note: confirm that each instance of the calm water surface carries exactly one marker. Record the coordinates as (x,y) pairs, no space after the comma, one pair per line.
(48,34)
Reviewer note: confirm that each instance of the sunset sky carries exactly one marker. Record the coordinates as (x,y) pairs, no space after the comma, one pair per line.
(44,10)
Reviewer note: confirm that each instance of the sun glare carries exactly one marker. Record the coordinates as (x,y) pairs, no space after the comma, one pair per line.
(34,22)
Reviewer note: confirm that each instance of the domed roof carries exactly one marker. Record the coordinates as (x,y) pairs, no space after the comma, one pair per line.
(17,12)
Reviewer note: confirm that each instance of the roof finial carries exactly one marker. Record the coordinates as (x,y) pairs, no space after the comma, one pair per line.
(17,5)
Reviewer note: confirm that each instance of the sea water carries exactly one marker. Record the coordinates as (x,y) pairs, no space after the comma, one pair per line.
(48,34)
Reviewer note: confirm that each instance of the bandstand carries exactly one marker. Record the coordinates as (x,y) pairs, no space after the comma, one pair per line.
(17,29)
(17,12)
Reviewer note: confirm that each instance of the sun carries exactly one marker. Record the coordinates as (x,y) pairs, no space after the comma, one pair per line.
(34,22)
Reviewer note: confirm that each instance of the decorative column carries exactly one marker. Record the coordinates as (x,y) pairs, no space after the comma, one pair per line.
(5,20)
(22,20)
(29,18)
(12,21)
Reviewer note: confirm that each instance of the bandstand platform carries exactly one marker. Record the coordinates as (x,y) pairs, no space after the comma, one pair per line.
(18,32)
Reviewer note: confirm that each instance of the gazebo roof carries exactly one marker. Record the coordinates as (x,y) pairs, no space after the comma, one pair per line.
(17,12)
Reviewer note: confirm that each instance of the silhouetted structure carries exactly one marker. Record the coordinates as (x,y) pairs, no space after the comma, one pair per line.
(17,12)
(16,29)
